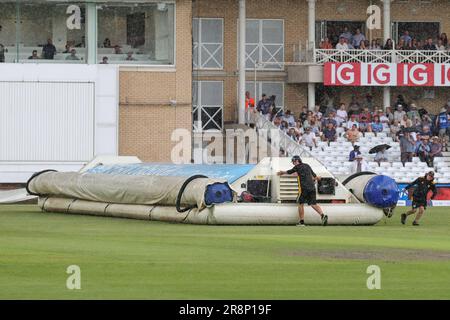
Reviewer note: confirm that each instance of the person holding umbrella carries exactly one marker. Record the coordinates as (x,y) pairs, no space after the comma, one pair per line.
(379,151)
(307,189)
(423,185)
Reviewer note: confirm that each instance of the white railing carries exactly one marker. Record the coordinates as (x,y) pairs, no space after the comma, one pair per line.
(290,147)
(381,56)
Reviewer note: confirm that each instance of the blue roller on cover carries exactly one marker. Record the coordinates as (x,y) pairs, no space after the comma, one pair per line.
(381,192)
(218,193)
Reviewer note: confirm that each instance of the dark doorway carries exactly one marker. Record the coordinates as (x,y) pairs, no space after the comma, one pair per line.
(333,29)
(136,29)
(419,30)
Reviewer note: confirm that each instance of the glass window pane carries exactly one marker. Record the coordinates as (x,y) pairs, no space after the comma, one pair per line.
(252,31)
(7,32)
(212,31)
(276,89)
(272,31)
(141,33)
(211,93)
(195,30)
(51,31)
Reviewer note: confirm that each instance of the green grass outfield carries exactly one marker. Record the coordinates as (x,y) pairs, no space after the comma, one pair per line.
(133,259)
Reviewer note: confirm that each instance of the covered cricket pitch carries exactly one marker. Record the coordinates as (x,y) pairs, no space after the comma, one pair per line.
(131,259)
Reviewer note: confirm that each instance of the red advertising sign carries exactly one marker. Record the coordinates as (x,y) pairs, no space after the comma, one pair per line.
(386,74)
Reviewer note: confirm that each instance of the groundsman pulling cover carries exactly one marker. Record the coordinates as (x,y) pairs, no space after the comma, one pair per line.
(126,189)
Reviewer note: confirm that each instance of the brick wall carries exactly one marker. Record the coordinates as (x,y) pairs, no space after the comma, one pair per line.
(295,15)
(146,117)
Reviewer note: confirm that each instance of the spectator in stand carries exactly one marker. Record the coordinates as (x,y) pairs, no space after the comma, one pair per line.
(341,115)
(359,165)
(362,45)
(376,125)
(423,150)
(329,133)
(407,145)
(364,123)
(117,49)
(406,122)
(107,43)
(426,132)
(2,53)
(429,45)
(384,119)
(309,139)
(73,55)
(49,50)
(299,127)
(353,122)
(400,45)
(264,106)
(354,153)
(389,114)
(406,38)
(435,149)
(374,45)
(442,122)
(249,109)
(347,35)
(413,114)
(444,39)
(440,45)
(389,45)
(314,126)
(130,57)
(34,55)
(289,118)
(292,134)
(353,134)
(399,113)
(329,119)
(104,60)
(394,130)
(317,113)
(304,114)
(342,44)
(414,45)
(366,113)
(326,44)
(381,156)
(357,39)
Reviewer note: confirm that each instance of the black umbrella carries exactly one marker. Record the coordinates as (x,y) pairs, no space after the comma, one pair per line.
(379,148)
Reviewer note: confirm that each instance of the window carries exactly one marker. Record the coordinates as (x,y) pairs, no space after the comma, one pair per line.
(207,43)
(50,31)
(136,33)
(265,44)
(42,31)
(207,105)
(269,88)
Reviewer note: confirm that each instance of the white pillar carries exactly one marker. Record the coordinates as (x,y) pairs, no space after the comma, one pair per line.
(311,41)
(242,27)
(311,96)
(386,97)
(91,32)
(387,34)
(311,22)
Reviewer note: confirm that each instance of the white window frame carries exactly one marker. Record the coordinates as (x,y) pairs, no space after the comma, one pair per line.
(199,65)
(200,106)
(261,46)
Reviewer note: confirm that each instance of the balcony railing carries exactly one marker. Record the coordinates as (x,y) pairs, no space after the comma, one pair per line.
(381,56)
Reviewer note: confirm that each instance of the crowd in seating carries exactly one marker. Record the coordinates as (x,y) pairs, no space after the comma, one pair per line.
(417,132)
(348,40)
